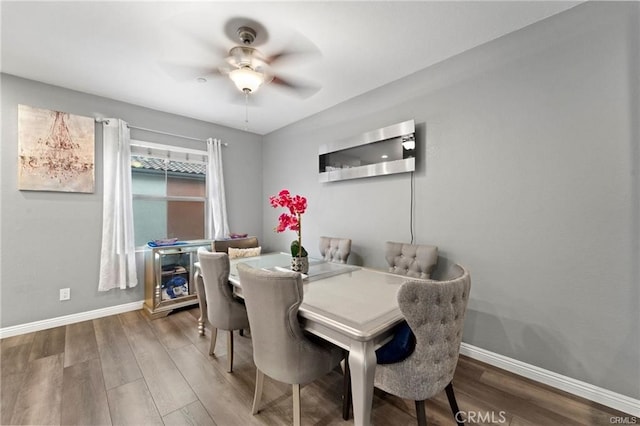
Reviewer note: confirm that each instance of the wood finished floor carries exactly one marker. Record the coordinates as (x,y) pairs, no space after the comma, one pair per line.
(127,370)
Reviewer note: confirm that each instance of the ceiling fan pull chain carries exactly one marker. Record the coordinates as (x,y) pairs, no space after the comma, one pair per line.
(246,110)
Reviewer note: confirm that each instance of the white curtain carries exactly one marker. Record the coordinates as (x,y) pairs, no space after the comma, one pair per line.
(117,257)
(217,226)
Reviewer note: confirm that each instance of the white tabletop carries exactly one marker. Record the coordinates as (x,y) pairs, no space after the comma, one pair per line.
(355,301)
(361,303)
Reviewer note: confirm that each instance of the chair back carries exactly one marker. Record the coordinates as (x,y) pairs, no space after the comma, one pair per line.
(223,245)
(435,311)
(280,349)
(335,249)
(223,310)
(412,260)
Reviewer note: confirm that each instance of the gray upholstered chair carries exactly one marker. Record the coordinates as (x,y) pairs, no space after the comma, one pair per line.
(412,260)
(435,312)
(224,311)
(335,249)
(235,243)
(280,348)
(223,245)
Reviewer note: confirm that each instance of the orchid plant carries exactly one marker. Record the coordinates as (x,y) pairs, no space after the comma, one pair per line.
(297,205)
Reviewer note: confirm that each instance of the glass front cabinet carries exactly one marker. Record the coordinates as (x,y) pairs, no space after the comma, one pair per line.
(169,277)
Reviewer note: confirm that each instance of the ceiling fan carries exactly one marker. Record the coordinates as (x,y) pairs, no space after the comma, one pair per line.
(249,69)
(246,66)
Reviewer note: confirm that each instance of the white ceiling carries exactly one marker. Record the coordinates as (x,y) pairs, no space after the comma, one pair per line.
(142,52)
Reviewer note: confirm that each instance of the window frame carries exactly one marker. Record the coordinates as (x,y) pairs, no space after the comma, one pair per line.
(183,155)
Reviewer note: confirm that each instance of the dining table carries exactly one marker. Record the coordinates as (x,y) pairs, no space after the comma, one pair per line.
(350,306)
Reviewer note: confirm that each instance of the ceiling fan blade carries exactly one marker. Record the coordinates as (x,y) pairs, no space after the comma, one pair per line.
(298,48)
(211,57)
(204,42)
(288,56)
(182,72)
(303,90)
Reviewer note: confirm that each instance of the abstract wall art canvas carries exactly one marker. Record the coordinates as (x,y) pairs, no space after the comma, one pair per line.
(56,151)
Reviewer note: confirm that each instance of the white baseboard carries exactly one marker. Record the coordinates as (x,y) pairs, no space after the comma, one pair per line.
(576,387)
(68,319)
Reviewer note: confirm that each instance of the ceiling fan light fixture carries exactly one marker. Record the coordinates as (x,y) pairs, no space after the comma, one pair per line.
(246,79)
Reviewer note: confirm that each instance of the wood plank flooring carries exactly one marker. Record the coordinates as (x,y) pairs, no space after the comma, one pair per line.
(128,370)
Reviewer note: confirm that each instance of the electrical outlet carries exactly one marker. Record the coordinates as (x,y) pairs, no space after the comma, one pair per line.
(65,293)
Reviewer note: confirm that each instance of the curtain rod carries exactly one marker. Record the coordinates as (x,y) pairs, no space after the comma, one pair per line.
(160,132)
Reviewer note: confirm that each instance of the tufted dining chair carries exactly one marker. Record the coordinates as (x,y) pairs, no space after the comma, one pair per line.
(435,311)
(237,247)
(224,311)
(412,260)
(240,243)
(335,249)
(280,348)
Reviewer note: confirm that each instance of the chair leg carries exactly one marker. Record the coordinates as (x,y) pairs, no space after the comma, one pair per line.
(346,389)
(214,336)
(453,404)
(230,351)
(296,405)
(421,413)
(257,395)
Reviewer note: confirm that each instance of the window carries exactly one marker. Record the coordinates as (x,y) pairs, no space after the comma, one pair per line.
(168,191)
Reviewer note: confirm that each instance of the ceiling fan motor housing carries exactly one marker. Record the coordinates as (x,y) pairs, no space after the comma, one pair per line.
(247,35)
(241,56)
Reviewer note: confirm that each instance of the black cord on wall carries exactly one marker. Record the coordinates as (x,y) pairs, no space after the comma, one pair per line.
(411,221)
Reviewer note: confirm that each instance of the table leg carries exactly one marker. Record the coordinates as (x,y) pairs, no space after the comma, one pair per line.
(202,301)
(362,363)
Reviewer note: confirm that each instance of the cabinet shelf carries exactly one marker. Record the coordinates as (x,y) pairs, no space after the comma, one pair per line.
(176,271)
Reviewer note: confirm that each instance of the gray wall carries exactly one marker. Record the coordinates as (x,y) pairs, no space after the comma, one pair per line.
(52,240)
(527,175)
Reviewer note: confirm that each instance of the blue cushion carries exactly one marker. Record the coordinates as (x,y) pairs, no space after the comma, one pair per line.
(399,347)
(176,286)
